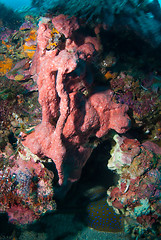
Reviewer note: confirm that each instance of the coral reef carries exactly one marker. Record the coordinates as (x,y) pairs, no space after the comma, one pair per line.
(128,90)
(137,92)
(17,49)
(138,194)
(17,111)
(87,77)
(26,186)
(71,112)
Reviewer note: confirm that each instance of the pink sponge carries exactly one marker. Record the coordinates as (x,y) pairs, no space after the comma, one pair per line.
(71,113)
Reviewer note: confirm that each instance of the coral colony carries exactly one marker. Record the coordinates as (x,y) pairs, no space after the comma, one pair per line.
(65,125)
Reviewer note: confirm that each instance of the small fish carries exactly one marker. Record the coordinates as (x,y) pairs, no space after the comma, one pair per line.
(95,193)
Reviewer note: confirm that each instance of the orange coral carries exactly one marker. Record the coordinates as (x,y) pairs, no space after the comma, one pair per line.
(29,46)
(53,42)
(29,50)
(5,66)
(32,35)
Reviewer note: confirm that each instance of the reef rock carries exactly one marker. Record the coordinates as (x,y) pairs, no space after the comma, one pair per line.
(26,190)
(138,193)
